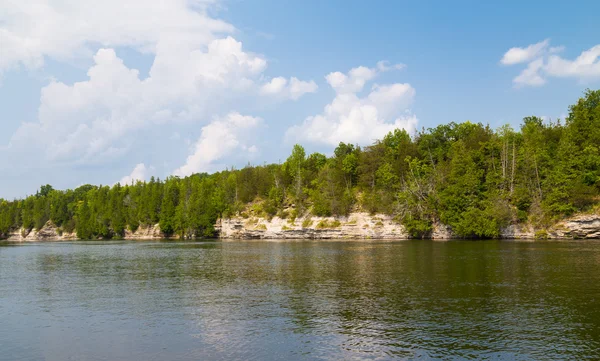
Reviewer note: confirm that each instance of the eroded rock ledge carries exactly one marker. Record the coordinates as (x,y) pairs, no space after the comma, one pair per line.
(357,225)
(50,232)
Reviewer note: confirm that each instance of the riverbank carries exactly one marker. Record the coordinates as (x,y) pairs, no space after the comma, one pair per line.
(358,225)
(380,226)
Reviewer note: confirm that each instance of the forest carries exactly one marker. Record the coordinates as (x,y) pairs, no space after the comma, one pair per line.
(468,176)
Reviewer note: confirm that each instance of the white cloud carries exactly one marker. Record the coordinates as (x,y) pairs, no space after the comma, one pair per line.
(139,174)
(299,87)
(585,66)
(67,29)
(385,65)
(292,89)
(544,63)
(352,119)
(531,76)
(220,138)
(522,55)
(352,82)
(195,73)
(275,86)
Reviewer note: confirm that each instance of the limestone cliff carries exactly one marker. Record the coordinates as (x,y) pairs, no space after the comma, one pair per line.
(49,232)
(356,225)
(362,225)
(580,226)
(145,232)
(577,227)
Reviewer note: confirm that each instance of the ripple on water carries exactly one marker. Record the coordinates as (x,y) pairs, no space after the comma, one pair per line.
(300,300)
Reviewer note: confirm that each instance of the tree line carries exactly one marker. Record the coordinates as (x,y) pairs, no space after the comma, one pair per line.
(468,176)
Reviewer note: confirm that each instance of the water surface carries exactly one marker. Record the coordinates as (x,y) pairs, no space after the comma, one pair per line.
(294,300)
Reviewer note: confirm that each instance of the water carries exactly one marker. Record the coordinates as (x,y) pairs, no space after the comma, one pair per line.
(352,300)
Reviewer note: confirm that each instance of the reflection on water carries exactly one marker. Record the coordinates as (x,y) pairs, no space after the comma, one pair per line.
(299,300)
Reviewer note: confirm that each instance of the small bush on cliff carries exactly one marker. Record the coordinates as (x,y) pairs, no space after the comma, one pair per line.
(325,224)
(307,222)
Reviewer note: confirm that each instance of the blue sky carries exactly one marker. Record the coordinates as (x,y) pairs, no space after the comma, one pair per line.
(122,90)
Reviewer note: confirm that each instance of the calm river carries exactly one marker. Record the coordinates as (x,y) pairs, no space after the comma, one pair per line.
(355,300)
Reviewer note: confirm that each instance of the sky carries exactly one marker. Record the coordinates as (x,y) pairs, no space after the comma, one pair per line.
(122,90)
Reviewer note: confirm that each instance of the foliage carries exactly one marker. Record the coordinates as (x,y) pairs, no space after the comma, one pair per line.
(466,175)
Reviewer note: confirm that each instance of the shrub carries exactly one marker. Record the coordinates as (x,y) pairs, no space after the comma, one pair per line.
(326,224)
(293,215)
(261,227)
(307,223)
(257,208)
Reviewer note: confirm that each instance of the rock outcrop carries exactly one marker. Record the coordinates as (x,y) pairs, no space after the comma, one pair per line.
(518,231)
(356,225)
(49,232)
(441,232)
(364,226)
(145,232)
(578,227)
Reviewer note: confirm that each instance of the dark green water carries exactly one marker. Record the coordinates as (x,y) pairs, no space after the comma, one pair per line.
(300,300)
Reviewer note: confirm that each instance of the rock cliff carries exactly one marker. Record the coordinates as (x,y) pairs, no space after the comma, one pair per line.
(580,226)
(49,232)
(145,232)
(357,225)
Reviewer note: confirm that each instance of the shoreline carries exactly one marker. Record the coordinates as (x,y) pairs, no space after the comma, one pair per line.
(355,226)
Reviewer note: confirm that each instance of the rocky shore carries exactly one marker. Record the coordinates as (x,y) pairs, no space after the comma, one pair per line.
(366,226)
(355,226)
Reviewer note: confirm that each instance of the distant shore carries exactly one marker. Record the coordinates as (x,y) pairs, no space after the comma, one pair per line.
(357,225)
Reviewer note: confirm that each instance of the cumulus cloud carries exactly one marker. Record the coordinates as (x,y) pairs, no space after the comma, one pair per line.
(196,72)
(66,29)
(518,55)
(139,174)
(543,63)
(350,118)
(531,75)
(222,137)
(292,89)
(385,65)
(585,66)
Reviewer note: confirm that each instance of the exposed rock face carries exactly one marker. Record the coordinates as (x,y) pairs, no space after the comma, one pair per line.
(580,226)
(356,225)
(518,231)
(441,232)
(145,232)
(577,227)
(49,232)
(363,225)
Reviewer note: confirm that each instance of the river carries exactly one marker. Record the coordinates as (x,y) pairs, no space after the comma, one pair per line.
(300,300)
